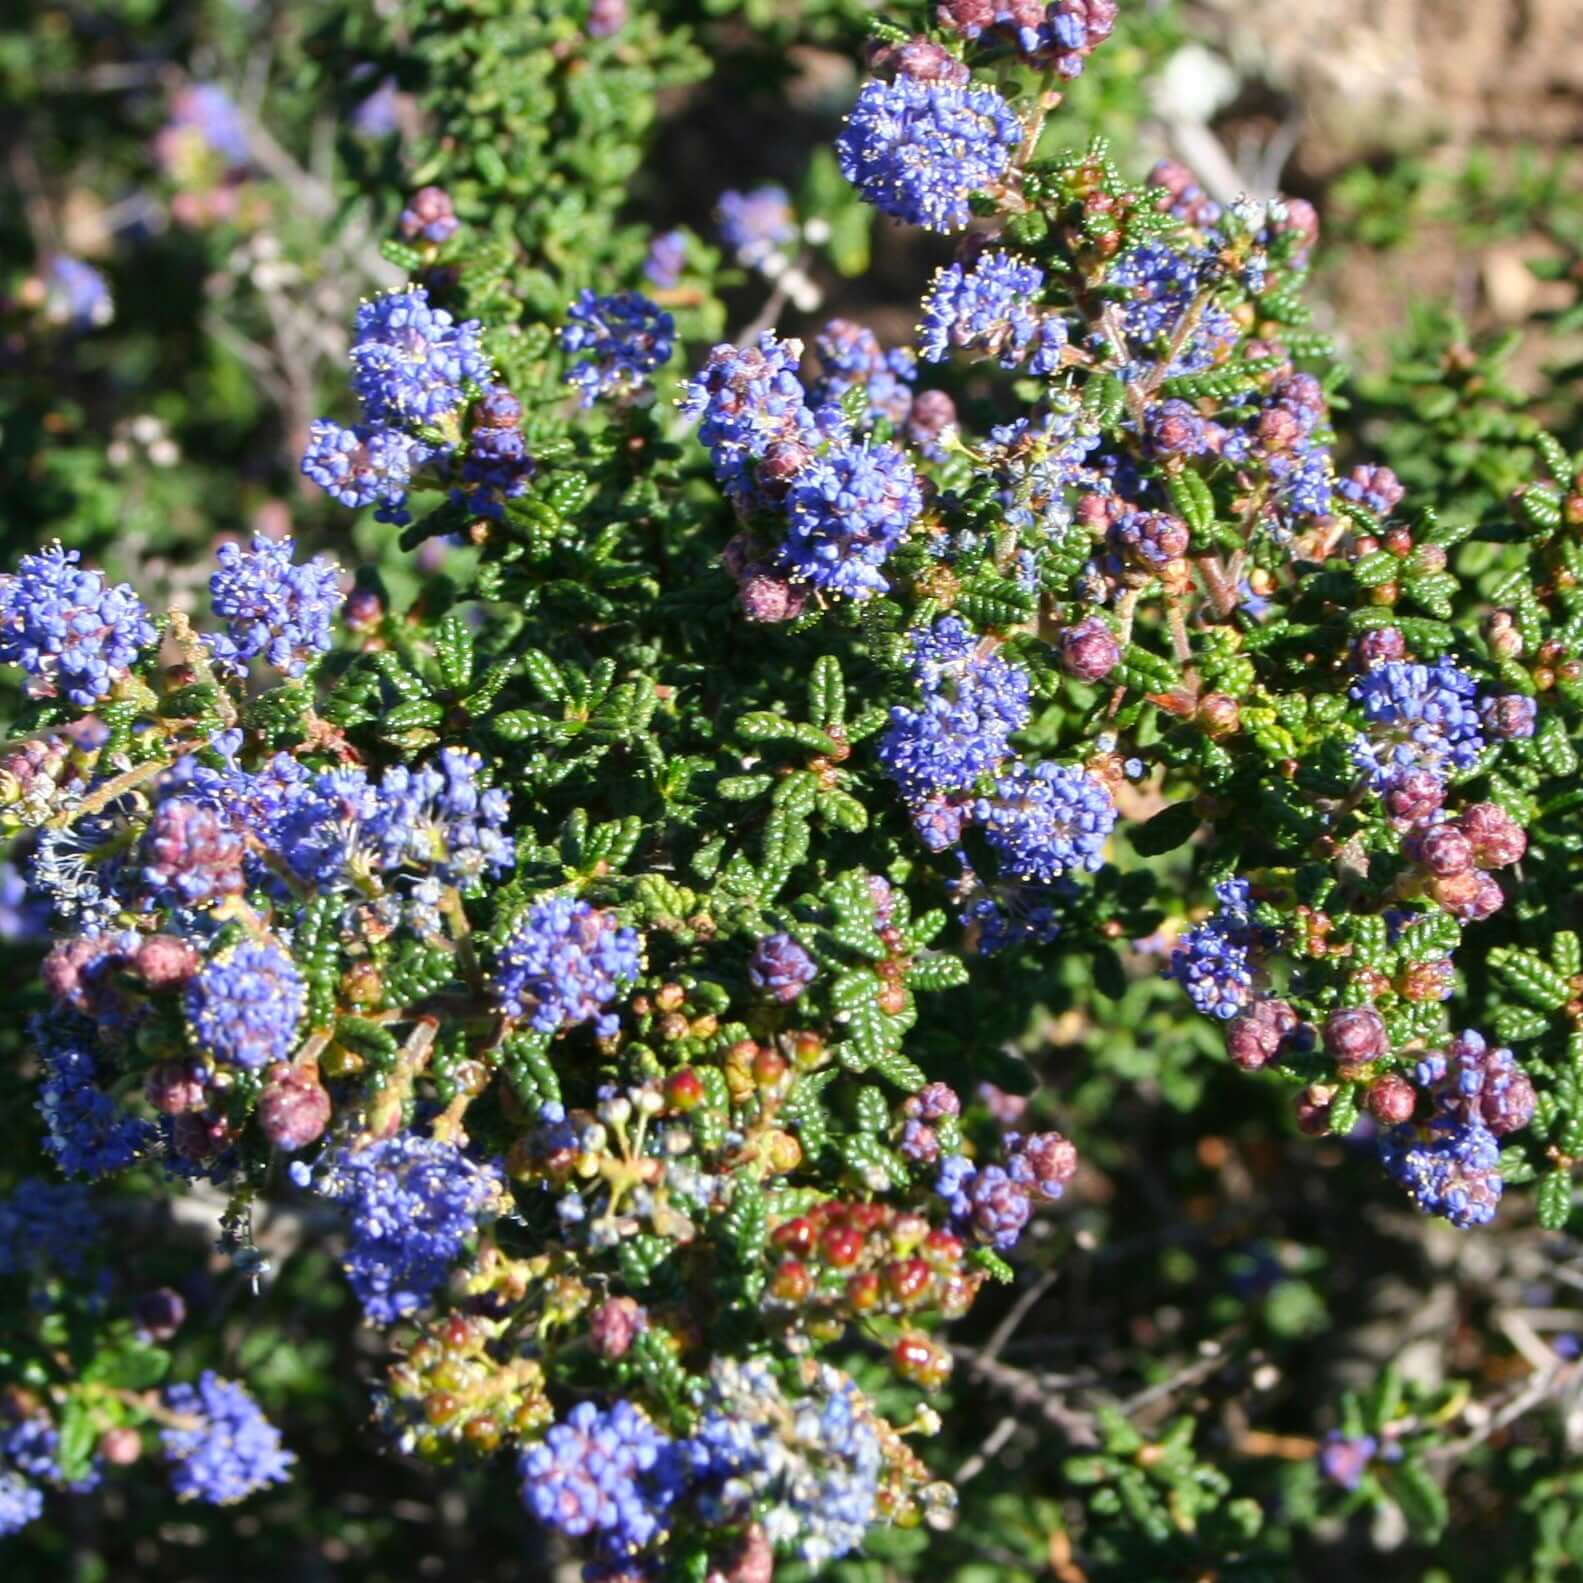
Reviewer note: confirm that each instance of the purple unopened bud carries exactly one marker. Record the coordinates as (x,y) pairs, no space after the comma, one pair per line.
(767,598)
(932,413)
(1089,650)
(1510,715)
(1176,429)
(429,216)
(1251,1041)
(363,609)
(1498,840)
(1391,1100)
(781,968)
(1442,849)
(1278,429)
(498,409)
(164,961)
(1379,645)
(161,1313)
(919,58)
(175,1087)
(614,1325)
(1043,1162)
(920,1143)
(1415,797)
(1356,1035)
(294,1109)
(935,1102)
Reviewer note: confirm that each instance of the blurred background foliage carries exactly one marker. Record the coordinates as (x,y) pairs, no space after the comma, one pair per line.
(1233,1286)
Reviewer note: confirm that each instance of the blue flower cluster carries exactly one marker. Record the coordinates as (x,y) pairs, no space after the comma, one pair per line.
(985,1202)
(1416,717)
(1047,820)
(749,403)
(972,701)
(46,1225)
(364,466)
(1213,961)
(918,151)
(70,630)
(807,1467)
(781,968)
(20,1503)
(850,355)
(273,609)
(245,1005)
(413,1203)
(564,963)
(619,341)
(991,308)
(86,1132)
(427,826)
(411,362)
(498,466)
(1449,1167)
(846,512)
(1163,284)
(605,1475)
(222,1448)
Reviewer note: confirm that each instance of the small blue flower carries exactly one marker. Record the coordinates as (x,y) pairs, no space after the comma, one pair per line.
(245,1005)
(68,628)
(565,962)
(1047,821)
(990,308)
(228,1450)
(410,362)
(919,150)
(364,466)
(1416,717)
(621,340)
(273,609)
(755,224)
(847,510)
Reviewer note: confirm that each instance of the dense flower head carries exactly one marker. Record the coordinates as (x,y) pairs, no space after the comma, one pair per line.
(918,150)
(222,1448)
(192,854)
(439,819)
(1416,717)
(412,1204)
(619,340)
(246,1004)
(1479,1083)
(410,362)
(86,1132)
(1377,488)
(607,1475)
(1047,820)
(846,512)
(986,1203)
(1163,283)
(69,629)
(971,703)
(497,468)
(808,1466)
(31,1446)
(746,400)
(565,962)
(369,465)
(754,224)
(991,307)
(1450,1167)
(273,609)
(46,1224)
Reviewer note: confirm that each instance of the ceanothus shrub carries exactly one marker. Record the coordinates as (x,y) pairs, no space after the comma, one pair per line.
(583,938)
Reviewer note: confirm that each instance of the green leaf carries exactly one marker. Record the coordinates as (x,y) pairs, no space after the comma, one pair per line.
(1553,1198)
(1170,828)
